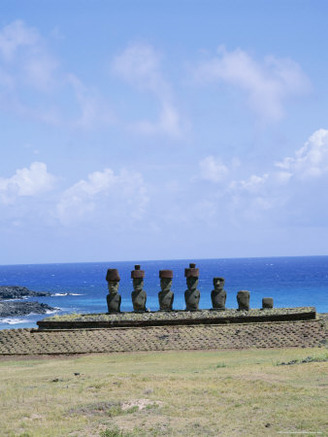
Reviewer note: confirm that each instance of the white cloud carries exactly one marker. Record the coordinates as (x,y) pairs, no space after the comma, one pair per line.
(16,35)
(168,123)
(40,70)
(115,199)
(27,65)
(94,110)
(253,184)
(311,160)
(31,181)
(212,169)
(267,84)
(6,80)
(140,66)
(28,73)
(25,57)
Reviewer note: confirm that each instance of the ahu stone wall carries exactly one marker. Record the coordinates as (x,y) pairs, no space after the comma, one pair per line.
(307,333)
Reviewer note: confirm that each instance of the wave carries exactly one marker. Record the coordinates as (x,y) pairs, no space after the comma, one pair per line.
(66,294)
(9,321)
(53,311)
(18,299)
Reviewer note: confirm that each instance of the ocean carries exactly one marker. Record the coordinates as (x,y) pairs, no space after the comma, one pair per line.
(291,281)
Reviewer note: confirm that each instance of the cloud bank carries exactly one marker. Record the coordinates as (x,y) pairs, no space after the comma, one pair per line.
(270,196)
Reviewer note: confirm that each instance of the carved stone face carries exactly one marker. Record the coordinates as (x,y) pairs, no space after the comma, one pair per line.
(138,284)
(192,283)
(218,283)
(166,284)
(113,287)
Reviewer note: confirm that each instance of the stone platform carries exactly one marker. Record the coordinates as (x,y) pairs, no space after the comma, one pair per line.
(306,333)
(175,318)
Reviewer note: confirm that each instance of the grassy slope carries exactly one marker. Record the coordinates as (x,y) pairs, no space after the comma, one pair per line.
(213,393)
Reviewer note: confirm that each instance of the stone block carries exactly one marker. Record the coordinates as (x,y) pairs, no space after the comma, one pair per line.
(267,303)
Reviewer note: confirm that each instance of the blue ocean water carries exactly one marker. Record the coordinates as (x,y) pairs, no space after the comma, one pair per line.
(291,281)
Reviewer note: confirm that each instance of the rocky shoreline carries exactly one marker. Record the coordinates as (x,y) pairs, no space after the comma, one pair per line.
(21,308)
(16,309)
(17,292)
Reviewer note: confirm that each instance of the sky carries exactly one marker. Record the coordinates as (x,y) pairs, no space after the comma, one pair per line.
(140,130)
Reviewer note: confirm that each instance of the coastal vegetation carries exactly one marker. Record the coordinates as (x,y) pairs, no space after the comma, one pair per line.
(207,393)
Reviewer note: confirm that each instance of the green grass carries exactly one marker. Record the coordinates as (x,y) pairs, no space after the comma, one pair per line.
(319,358)
(226,393)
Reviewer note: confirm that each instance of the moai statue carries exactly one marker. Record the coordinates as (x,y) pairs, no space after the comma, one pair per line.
(113,297)
(243,300)
(267,303)
(218,295)
(138,295)
(192,295)
(166,296)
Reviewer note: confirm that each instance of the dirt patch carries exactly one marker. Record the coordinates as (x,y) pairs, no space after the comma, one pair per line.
(141,404)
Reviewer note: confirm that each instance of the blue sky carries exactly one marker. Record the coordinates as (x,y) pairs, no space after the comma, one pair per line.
(136,130)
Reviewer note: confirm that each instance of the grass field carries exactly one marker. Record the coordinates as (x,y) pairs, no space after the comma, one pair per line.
(213,393)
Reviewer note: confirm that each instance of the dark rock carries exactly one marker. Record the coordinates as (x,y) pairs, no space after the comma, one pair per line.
(148,391)
(14,309)
(17,292)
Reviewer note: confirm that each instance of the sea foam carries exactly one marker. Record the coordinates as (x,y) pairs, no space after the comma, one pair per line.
(66,294)
(12,321)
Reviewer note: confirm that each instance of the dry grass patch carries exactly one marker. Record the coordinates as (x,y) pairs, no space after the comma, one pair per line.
(212,393)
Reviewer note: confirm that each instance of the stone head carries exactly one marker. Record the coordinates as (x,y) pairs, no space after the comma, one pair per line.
(218,283)
(192,282)
(113,279)
(138,284)
(192,275)
(113,287)
(166,277)
(137,276)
